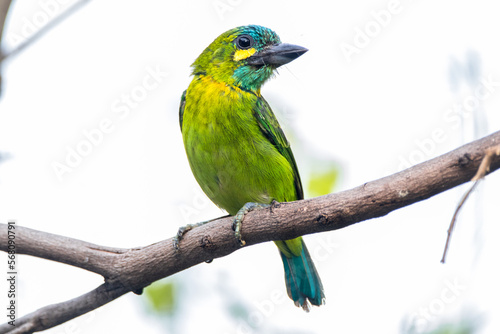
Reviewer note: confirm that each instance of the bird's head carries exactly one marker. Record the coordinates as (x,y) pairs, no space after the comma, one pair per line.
(245,57)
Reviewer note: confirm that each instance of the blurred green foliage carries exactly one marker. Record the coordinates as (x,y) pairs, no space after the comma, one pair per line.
(461,328)
(468,323)
(322,180)
(161,296)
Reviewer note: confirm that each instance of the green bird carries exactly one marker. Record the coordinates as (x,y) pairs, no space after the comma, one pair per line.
(236,148)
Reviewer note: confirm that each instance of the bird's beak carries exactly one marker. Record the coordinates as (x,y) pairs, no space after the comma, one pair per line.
(277,55)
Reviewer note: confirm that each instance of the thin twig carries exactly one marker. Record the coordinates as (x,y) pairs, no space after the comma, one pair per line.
(43,30)
(4,11)
(484,168)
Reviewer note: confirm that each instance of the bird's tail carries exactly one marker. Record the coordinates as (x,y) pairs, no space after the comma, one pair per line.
(302,280)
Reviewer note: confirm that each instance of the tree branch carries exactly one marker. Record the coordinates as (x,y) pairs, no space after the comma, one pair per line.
(133,269)
(94,258)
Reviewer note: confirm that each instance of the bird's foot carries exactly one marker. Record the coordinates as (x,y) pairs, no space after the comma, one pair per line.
(182,230)
(238,218)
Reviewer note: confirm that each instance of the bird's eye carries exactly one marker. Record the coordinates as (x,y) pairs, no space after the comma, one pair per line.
(244,42)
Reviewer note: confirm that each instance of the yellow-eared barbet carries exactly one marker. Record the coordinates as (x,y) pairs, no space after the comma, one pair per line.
(235,146)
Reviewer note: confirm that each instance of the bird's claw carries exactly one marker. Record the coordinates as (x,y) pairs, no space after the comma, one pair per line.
(238,219)
(182,230)
(178,237)
(237,231)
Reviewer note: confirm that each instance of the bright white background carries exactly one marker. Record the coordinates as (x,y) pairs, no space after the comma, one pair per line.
(371,112)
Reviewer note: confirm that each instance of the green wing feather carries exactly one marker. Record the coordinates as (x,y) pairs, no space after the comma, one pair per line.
(272,130)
